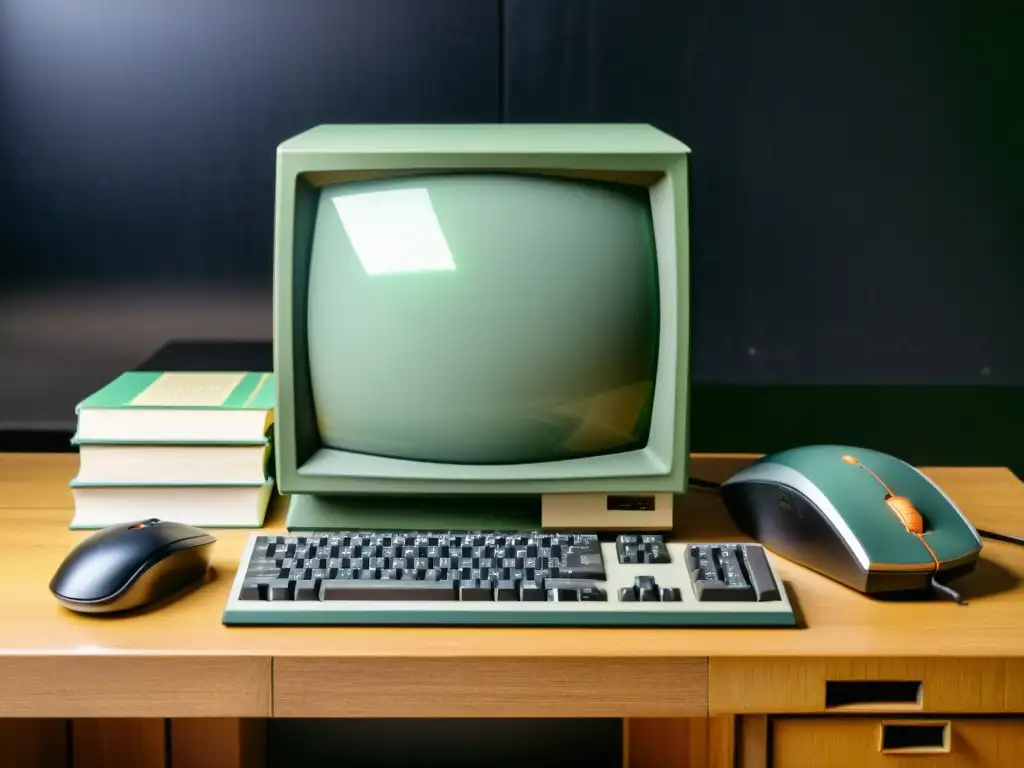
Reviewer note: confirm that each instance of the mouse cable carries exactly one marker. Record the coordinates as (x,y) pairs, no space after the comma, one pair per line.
(707,485)
(1002,537)
(947,591)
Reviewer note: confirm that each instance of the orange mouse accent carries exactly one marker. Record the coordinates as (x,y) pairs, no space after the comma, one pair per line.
(902,507)
(906,512)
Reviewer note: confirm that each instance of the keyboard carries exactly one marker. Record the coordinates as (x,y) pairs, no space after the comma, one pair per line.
(503,579)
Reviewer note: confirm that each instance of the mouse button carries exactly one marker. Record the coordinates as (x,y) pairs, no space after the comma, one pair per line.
(140,543)
(155,537)
(169,530)
(193,542)
(907,513)
(949,532)
(881,525)
(857,503)
(96,573)
(101,565)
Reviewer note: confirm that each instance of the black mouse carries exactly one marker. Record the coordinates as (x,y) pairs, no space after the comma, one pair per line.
(128,566)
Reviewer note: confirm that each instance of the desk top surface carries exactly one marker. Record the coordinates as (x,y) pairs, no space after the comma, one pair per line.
(36,507)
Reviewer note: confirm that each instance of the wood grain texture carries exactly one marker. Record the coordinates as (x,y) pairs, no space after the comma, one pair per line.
(91,685)
(721,741)
(752,743)
(117,743)
(29,743)
(511,687)
(1015,685)
(220,742)
(666,742)
(53,661)
(768,686)
(837,619)
(855,743)
(679,742)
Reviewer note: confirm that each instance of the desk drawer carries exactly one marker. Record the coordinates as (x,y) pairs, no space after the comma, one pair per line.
(896,742)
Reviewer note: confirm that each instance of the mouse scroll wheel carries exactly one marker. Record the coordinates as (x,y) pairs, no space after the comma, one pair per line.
(907,512)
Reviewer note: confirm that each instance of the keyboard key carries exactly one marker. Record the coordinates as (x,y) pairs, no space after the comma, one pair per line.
(646,548)
(250,590)
(593,595)
(560,582)
(730,568)
(475,591)
(587,590)
(581,560)
(718,575)
(646,589)
(653,549)
(531,592)
(507,591)
(563,595)
(278,589)
(717,591)
(760,574)
(307,590)
(627,550)
(701,563)
(388,590)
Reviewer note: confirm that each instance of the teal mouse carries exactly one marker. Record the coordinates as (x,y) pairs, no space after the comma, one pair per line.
(864,518)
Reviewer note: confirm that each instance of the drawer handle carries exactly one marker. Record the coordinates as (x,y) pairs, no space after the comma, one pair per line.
(868,695)
(914,737)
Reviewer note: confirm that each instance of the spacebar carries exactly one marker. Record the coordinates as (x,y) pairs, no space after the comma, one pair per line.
(338,589)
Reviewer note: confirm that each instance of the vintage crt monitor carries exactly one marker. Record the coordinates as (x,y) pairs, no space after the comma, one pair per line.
(481,327)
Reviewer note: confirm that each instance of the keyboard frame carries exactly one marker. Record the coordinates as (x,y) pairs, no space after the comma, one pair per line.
(688,612)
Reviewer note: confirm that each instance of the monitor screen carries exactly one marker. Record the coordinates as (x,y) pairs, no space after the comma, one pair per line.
(483,317)
(481,310)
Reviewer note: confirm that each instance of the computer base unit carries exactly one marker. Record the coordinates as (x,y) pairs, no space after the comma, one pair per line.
(607,512)
(525,512)
(503,578)
(315,512)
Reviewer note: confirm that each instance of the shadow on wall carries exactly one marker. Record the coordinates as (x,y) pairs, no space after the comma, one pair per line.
(63,341)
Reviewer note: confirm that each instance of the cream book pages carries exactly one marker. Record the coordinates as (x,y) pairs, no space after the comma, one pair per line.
(206,506)
(133,463)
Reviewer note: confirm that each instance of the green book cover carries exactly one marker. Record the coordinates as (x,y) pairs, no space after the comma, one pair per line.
(204,390)
(167,408)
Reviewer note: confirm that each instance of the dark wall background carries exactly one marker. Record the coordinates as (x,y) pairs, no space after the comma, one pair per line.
(857,216)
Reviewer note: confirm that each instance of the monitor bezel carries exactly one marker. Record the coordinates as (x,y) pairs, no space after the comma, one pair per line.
(638,155)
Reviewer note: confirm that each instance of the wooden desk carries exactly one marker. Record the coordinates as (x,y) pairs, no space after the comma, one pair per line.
(209,687)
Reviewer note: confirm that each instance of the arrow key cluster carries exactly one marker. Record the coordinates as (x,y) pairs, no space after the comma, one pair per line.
(646,590)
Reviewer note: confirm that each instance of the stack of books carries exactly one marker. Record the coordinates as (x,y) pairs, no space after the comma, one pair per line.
(192,447)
